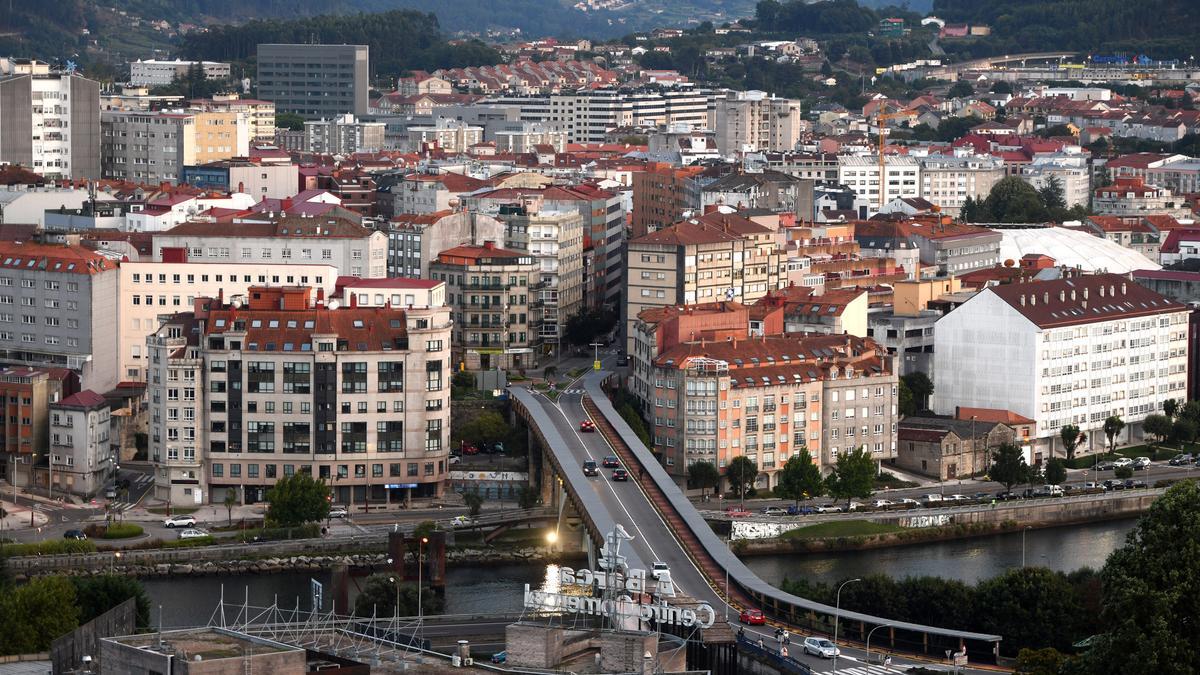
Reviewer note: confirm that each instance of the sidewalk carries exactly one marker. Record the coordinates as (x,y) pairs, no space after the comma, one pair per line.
(18,517)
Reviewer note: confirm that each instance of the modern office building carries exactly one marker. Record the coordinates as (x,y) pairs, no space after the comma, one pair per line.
(314,81)
(49,121)
(156,73)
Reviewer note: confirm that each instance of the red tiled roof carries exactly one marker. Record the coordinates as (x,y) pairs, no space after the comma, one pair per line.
(84,399)
(60,258)
(480,252)
(710,228)
(1082,299)
(363,329)
(993,415)
(391,282)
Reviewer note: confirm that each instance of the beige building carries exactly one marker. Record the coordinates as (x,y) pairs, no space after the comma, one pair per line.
(243,394)
(260,113)
(555,240)
(148,290)
(449,135)
(949,449)
(153,147)
(949,181)
(493,293)
(753,121)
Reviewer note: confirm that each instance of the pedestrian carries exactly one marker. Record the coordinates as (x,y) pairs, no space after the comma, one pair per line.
(993,502)
(783,651)
(741,633)
(760,642)
(887,660)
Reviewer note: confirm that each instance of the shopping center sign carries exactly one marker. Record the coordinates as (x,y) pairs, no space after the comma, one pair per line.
(619,599)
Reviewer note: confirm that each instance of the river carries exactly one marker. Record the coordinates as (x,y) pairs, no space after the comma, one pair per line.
(190,601)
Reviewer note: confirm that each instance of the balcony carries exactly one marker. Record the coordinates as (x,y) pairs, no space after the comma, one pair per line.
(768,407)
(486,286)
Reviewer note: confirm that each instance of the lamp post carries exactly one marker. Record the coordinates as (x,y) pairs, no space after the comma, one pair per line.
(396,581)
(837,613)
(869,634)
(420,574)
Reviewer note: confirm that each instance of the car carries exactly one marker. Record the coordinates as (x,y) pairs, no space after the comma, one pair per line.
(620,475)
(78,535)
(455,459)
(847,508)
(1182,459)
(335,512)
(794,510)
(110,493)
(460,521)
(821,647)
(1105,466)
(1092,486)
(1131,484)
(1141,462)
(931,498)
(752,617)
(956,498)
(470,450)
(907,503)
(660,570)
(736,512)
(882,504)
(1113,484)
(179,521)
(192,533)
(498,448)
(981,496)
(1048,491)
(590,468)
(500,657)
(773,511)
(611,462)
(828,508)
(587,426)
(1123,461)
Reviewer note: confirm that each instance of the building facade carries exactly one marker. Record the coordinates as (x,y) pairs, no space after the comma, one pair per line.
(155,146)
(314,81)
(342,135)
(51,122)
(82,455)
(753,121)
(156,73)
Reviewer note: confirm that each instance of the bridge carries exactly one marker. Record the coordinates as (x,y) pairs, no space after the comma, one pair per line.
(956,69)
(668,528)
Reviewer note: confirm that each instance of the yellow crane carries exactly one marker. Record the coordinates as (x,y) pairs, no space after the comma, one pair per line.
(880,119)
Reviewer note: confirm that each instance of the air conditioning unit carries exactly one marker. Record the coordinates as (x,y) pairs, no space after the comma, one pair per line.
(468,661)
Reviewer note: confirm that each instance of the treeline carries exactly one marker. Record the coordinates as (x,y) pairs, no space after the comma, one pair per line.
(832,17)
(400,40)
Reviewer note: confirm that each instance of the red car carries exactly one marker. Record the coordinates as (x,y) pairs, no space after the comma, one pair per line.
(587,426)
(611,462)
(737,512)
(470,450)
(752,617)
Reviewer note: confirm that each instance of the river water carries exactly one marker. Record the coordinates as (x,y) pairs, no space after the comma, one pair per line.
(190,601)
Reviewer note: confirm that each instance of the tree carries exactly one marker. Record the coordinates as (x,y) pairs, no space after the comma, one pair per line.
(1001,87)
(1123,472)
(1112,428)
(741,474)
(1056,472)
(527,497)
(290,121)
(485,428)
(853,476)
(921,387)
(1071,436)
(34,614)
(231,501)
(296,500)
(1157,425)
(1184,430)
(907,405)
(826,69)
(1047,661)
(961,89)
(424,528)
(1008,466)
(96,595)
(1170,407)
(1150,591)
(381,591)
(587,327)
(1030,607)
(1052,194)
(1012,200)
(474,502)
(800,477)
(703,475)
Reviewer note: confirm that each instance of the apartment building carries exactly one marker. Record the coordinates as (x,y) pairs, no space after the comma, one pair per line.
(770,190)
(716,393)
(157,73)
(1072,173)
(155,146)
(149,290)
(58,309)
(453,136)
(902,177)
(494,296)
(431,192)
(355,251)
(1070,351)
(949,180)
(1178,173)
(83,457)
(342,135)
(1132,197)
(717,256)
(938,241)
(314,81)
(257,179)
(261,114)
(51,120)
(587,115)
(753,121)
(414,240)
(555,240)
(243,394)
(25,397)
(664,194)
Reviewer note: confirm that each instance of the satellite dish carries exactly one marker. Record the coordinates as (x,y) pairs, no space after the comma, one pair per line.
(729,293)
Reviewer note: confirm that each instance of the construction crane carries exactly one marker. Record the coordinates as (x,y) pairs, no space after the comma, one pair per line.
(880,118)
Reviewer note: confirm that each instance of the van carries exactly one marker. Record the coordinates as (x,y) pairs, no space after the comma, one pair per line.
(1050,491)
(931,498)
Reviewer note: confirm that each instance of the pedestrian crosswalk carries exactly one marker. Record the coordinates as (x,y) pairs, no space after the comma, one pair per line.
(572,391)
(861,670)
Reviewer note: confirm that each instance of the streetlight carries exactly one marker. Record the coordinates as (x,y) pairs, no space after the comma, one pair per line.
(1023,531)
(872,631)
(396,581)
(420,572)
(837,613)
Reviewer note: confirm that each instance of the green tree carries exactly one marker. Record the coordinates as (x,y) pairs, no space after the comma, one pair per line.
(961,89)
(853,476)
(474,502)
(381,591)
(34,614)
(635,422)
(528,497)
(1150,593)
(1052,194)
(485,428)
(1008,466)
(1184,430)
(1047,661)
(296,500)
(907,405)
(1001,87)
(703,475)
(1030,607)
(96,595)
(1056,472)
(1170,407)
(423,529)
(1112,428)
(1157,425)
(587,327)
(231,500)
(1123,472)
(741,474)
(800,478)
(1071,437)
(290,121)
(921,387)
(1012,200)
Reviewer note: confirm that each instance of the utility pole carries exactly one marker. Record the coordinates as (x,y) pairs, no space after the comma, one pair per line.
(596,347)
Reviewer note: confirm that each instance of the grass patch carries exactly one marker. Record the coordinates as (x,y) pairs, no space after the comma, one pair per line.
(175,510)
(51,547)
(576,372)
(188,543)
(889,480)
(841,528)
(113,531)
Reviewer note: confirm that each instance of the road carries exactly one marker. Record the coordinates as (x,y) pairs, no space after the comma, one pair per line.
(654,541)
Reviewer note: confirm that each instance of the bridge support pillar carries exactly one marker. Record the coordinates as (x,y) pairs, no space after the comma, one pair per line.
(586,544)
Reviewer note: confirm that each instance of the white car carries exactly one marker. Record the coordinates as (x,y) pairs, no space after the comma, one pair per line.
(179,521)
(1124,461)
(660,570)
(821,647)
(882,504)
(828,508)
(957,498)
(908,503)
(192,533)
(338,512)
(1141,462)
(931,498)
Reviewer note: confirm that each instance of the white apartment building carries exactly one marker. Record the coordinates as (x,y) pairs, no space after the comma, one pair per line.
(949,180)
(149,290)
(586,116)
(355,251)
(902,177)
(1070,351)
(753,121)
(342,135)
(156,73)
(153,147)
(449,135)
(1072,172)
(243,394)
(83,458)
(51,120)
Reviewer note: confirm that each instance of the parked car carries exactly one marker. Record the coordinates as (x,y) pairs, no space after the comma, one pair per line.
(110,493)
(335,512)
(931,498)
(907,503)
(1105,466)
(611,462)
(192,533)
(794,510)
(455,459)
(1113,484)
(1007,496)
(773,511)
(1123,461)
(956,498)
(1048,491)
(736,512)
(470,450)
(460,521)
(620,475)
(660,570)
(1092,486)
(1131,484)
(587,426)
(179,521)
(847,508)
(500,657)
(981,496)
(752,617)
(1182,459)
(74,534)
(882,504)
(828,508)
(1141,462)
(821,647)
(590,468)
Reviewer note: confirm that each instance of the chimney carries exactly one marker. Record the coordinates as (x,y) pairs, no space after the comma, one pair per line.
(1045,298)
(489,245)
(1102,291)
(1122,288)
